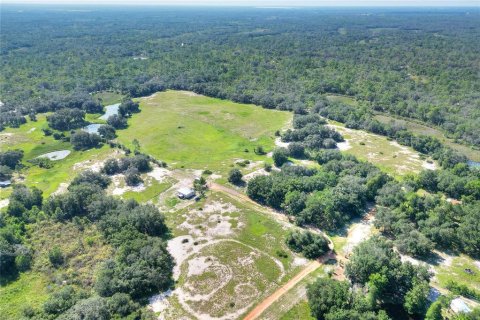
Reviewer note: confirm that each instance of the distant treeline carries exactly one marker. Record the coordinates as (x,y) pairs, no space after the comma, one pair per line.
(422,65)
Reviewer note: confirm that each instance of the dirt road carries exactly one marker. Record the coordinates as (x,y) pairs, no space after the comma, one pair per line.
(259,309)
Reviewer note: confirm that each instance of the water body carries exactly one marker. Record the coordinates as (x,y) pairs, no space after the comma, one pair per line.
(473,164)
(56,155)
(109,111)
(92,128)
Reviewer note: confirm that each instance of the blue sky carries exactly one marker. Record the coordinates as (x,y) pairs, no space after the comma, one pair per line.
(268,3)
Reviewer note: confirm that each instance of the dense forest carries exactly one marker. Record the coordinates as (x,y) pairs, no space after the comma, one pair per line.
(389,60)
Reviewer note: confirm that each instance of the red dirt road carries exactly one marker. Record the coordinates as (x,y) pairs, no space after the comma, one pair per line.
(259,309)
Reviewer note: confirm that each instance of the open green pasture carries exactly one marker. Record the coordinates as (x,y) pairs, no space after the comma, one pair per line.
(108,97)
(192,131)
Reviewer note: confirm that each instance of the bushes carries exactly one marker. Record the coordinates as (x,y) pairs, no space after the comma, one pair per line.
(117,122)
(67,119)
(82,140)
(11,158)
(55,256)
(107,132)
(280,156)
(90,177)
(132,177)
(142,267)
(235,176)
(111,167)
(311,245)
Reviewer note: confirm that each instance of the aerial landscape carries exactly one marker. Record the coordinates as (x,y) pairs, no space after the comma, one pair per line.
(252,160)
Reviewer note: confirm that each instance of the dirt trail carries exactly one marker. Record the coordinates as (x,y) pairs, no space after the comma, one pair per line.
(244,198)
(259,309)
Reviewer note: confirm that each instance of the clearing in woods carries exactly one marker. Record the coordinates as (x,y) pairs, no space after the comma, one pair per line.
(193,131)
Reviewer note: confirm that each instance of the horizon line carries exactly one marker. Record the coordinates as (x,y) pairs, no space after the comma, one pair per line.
(453,5)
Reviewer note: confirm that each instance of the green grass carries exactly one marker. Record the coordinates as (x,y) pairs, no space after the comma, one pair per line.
(293,304)
(198,132)
(301,311)
(153,190)
(343,99)
(456,272)
(30,289)
(31,139)
(387,155)
(107,98)
(422,129)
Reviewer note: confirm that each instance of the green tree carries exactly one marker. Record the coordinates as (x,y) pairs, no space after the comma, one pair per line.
(235,176)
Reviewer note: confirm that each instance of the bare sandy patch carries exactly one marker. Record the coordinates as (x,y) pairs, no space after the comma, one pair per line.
(62,188)
(159,174)
(256,173)
(4,203)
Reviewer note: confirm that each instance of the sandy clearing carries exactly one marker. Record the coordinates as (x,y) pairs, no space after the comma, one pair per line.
(159,302)
(357,233)
(4,203)
(280,143)
(256,173)
(159,174)
(343,146)
(62,188)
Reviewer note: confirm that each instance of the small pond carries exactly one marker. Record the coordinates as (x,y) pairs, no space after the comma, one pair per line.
(92,128)
(56,155)
(110,111)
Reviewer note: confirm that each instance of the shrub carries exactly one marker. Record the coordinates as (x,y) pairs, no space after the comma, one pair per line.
(111,167)
(132,177)
(82,140)
(235,176)
(280,156)
(311,245)
(107,132)
(55,256)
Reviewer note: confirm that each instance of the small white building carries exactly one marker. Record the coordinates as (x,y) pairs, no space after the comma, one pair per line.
(459,306)
(185,193)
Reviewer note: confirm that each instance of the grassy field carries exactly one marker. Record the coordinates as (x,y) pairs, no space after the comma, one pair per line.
(108,97)
(343,99)
(30,289)
(191,131)
(455,271)
(418,128)
(388,155)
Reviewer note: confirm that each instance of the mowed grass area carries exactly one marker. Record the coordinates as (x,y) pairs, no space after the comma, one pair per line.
(197,132)
(418,128)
